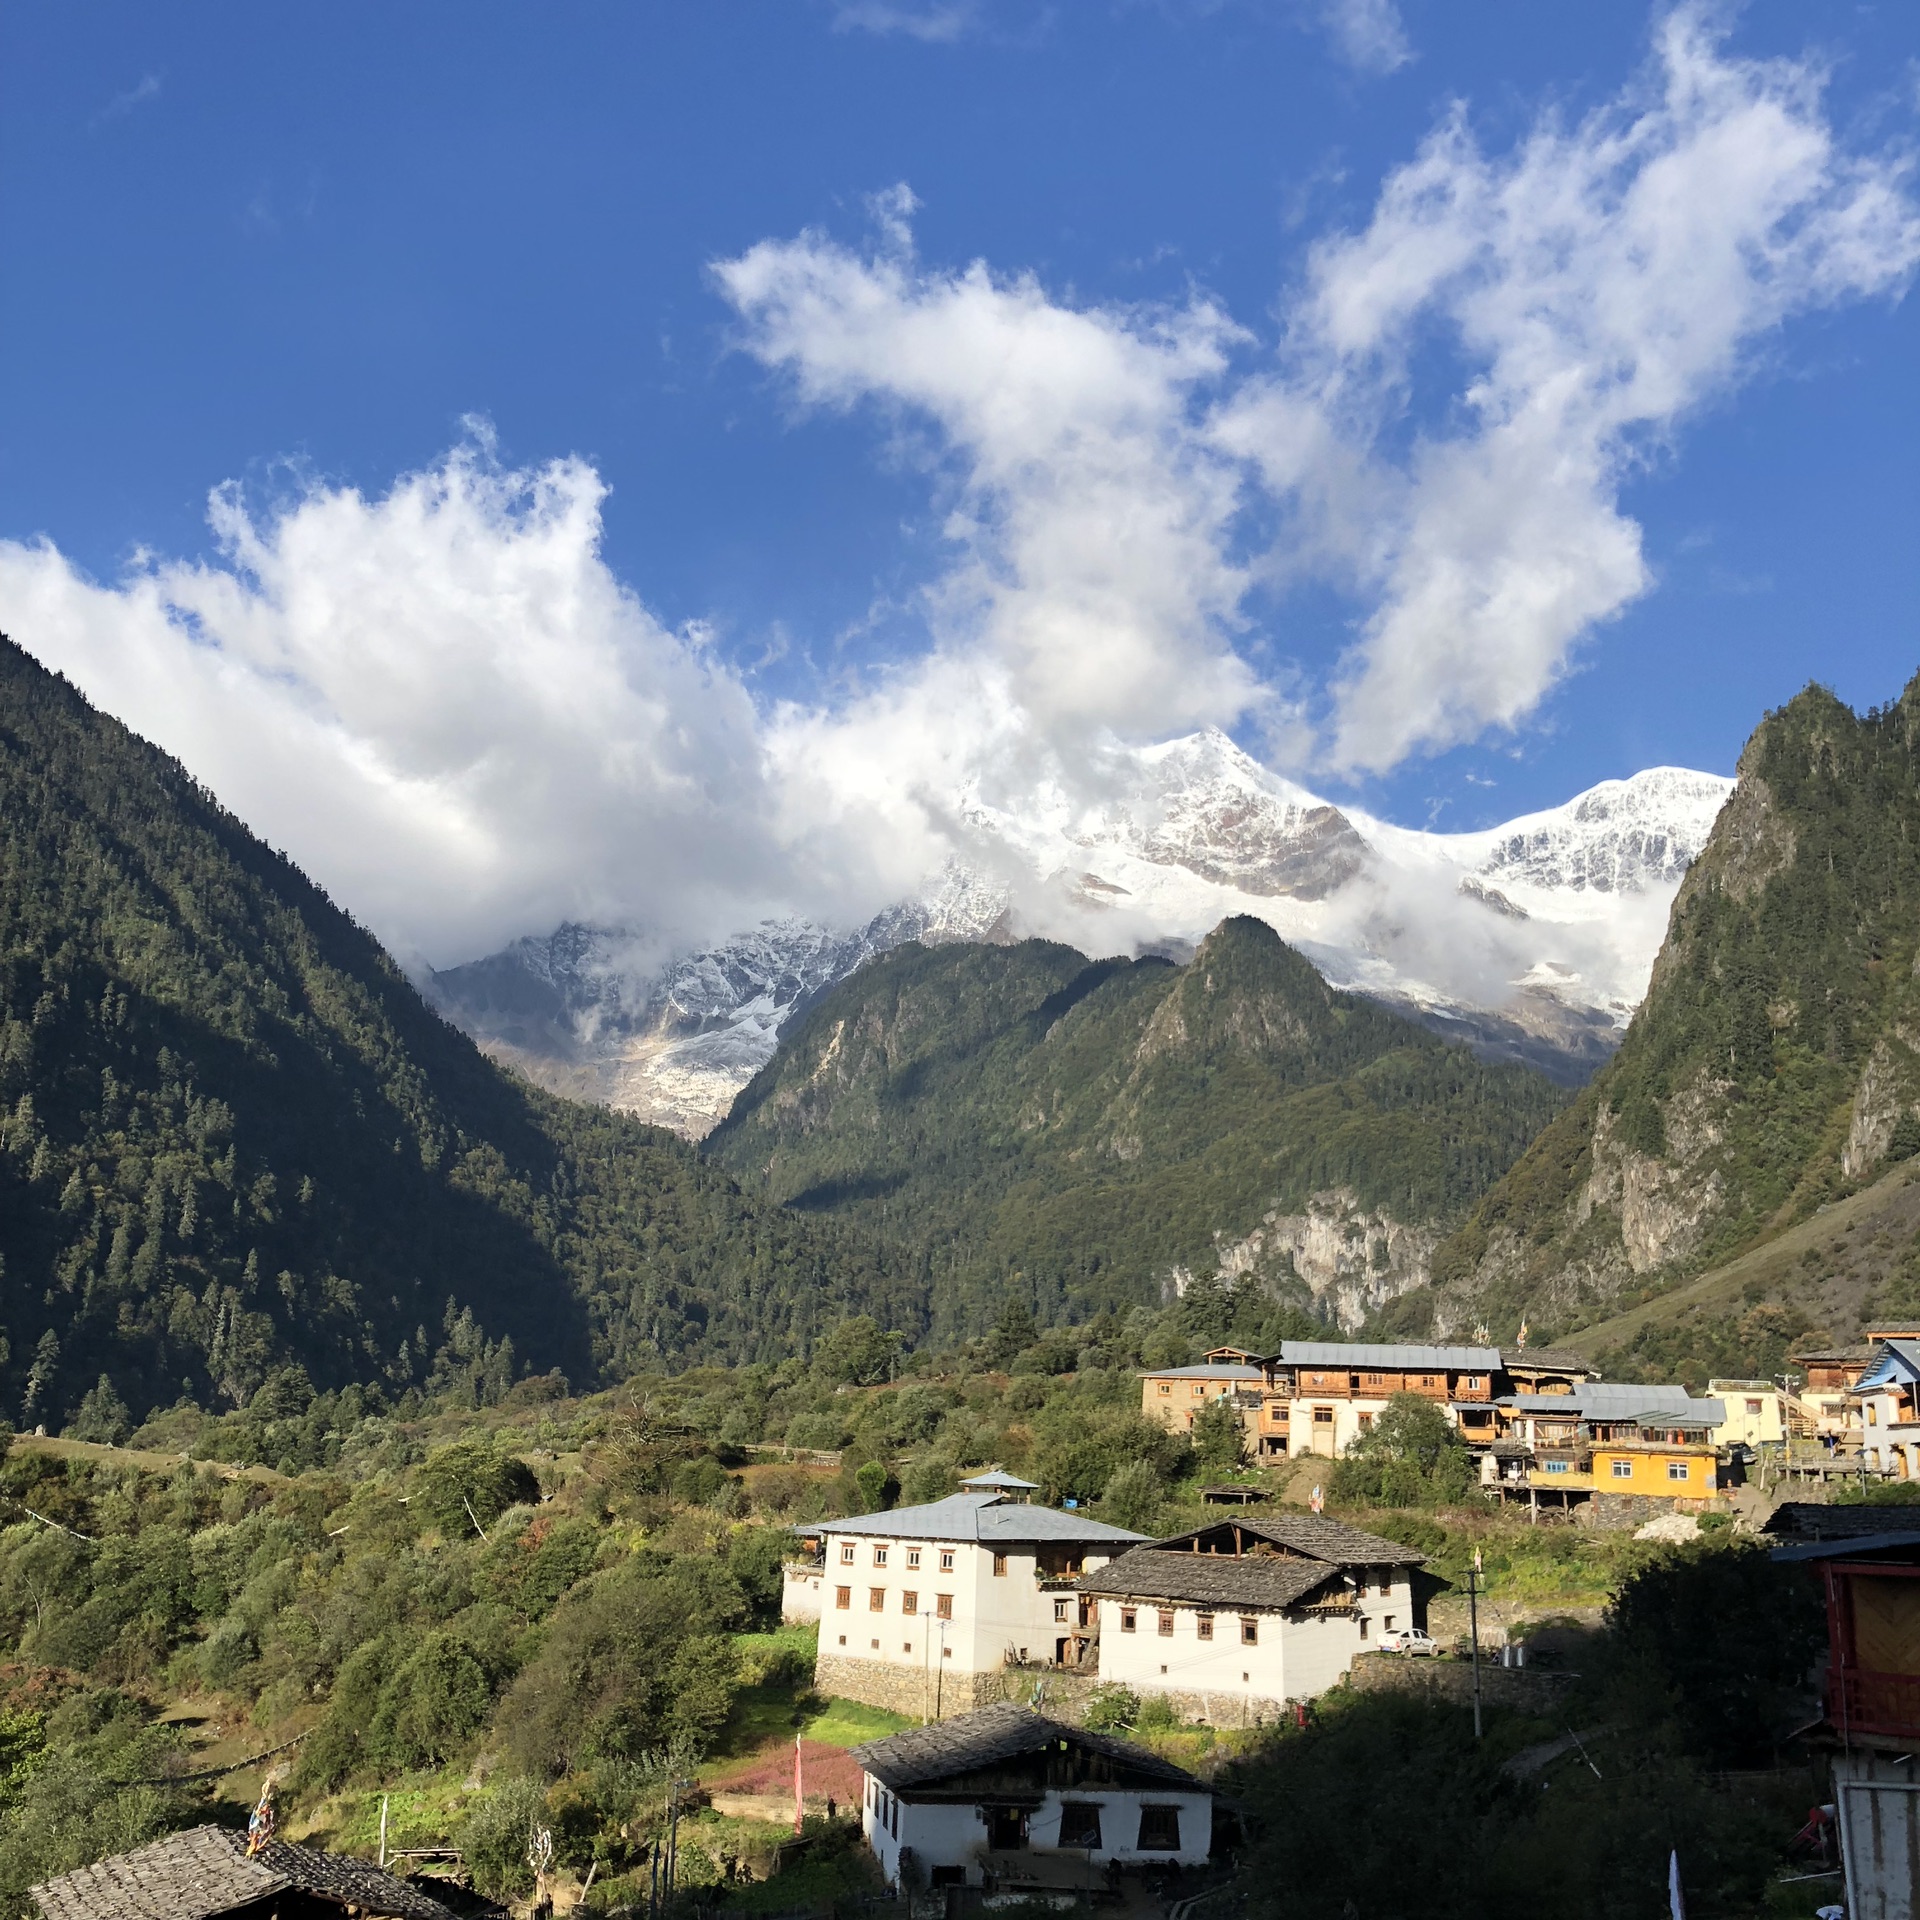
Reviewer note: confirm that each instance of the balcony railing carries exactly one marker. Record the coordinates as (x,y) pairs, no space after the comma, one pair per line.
(1859,1701)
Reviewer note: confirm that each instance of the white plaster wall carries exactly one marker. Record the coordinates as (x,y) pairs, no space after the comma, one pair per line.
(990,1612)
(800,1594)
(1295,1659)
(943,1834)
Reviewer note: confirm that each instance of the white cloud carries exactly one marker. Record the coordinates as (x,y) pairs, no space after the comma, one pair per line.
(440,702)
(146,88)
(1368,34)
(937,20)
(445,706)
(1599,284)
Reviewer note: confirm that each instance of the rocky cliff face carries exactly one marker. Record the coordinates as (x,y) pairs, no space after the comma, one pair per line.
(1775,1065)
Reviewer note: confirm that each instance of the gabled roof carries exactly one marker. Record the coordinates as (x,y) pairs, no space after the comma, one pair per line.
(997,1481)
(205,1871)
(1312,1534)
(1606,1400)
(988,1518)
(1544,1360)
(923,1756)
(1899,1360)
(1208,1579)
(1807,1520)
(1336,1353)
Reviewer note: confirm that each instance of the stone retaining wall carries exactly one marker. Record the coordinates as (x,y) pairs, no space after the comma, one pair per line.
(1526,1688)
(902,1689)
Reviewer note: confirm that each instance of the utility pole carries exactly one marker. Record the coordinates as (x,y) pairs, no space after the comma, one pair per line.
(383,1832)
(1473,1615)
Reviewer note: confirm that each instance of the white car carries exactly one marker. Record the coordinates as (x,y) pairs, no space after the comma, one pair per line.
(1410,1641)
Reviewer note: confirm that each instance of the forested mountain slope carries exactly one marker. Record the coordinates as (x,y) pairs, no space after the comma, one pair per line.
(232,1135)
(1082,1129)
(1775,1064)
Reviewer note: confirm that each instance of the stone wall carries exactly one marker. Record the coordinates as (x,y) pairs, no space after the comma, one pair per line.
(1616,1511)
(1528,1689)
(904,1689)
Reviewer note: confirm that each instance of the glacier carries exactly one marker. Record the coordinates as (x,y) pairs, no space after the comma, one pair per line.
(1532,940)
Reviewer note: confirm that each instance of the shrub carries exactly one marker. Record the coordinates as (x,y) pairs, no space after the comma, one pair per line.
(1111,1709)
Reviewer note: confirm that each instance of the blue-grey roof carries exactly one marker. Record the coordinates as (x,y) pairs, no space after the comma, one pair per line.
(1336,1353)
(1003,1482)
(1606,1400)
(983,1517)
(1899,1360)
(1222,1370)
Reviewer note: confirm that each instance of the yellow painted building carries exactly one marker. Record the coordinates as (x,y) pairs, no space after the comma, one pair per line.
(1756,1412)
(1668,1471)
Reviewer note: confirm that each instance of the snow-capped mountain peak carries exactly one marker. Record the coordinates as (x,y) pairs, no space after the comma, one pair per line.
(1534,937)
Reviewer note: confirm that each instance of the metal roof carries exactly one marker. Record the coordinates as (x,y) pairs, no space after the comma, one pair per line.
(1225,1370)
(1335,1353)
(923,1756)
(1899,1360)
(984,1517)
(1004,1482)
(1606,1399)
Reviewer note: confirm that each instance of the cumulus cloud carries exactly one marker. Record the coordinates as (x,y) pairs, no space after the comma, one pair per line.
(1598,285)
(442,702)
(936,20)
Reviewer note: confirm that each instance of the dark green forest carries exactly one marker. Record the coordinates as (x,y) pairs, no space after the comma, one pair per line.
(1788,971)
(233,1135)
(1071,1129)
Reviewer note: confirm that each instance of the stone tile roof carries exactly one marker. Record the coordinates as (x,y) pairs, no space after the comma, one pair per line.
(923,1755)
(983,1517)
(1313,1534)
(1545,1360)
(205,1871)
(1219,1370)
(1807,1520)
(1208,1579)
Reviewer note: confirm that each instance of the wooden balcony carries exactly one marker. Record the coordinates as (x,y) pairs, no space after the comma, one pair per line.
(1861,1701)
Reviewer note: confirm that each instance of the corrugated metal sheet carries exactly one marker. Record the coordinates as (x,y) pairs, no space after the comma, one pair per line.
(1334,1353)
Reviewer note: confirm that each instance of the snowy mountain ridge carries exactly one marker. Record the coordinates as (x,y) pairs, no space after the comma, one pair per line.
(1530,940)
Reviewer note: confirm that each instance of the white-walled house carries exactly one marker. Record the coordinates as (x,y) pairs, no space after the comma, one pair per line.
(1235,1619)
(1007,1799)
(920,1609)
(1888,1396)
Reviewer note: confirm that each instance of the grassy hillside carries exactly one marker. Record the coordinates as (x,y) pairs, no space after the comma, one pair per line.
(1774,1067)
(1077,1129)
(233,1136)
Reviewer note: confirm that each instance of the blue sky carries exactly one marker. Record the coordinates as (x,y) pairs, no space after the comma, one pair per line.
(305,250)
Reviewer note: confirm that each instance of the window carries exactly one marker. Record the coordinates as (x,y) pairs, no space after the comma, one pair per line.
(1387,1623)
(909,1601)
(1623,1469)
(1562,1466)
(1677,1469)
(879,1556)
(875,1645)
(1166,1623)
(1060,1610)
(1006,1829)
(1203,1625)
(946,1559)
(1753,1407)
(1127,1618)
(843,1639)
(906,1646)
(1323,1416)
(843,1597)
(946,1653)
(1159,1830)
(1366,1423)
(999,1566)
(876,1599)
(943,1605)
(1079,1824)
(1249,1630)
(1384,1585)
(846,1553)
(913,1556)
(1199,1391)
(1471,1382)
